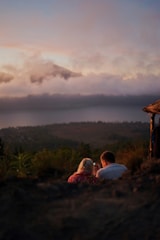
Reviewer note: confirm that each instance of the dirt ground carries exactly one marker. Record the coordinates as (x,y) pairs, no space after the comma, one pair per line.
(128,208)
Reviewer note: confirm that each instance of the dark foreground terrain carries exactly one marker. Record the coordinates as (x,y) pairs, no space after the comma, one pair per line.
(128,208)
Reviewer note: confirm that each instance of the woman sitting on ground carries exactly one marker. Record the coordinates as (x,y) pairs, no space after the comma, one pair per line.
(84,173)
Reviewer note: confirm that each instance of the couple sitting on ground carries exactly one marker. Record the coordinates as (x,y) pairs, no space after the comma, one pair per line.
(88,173)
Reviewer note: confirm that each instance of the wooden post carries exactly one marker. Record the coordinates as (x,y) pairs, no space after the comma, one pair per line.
(151,130)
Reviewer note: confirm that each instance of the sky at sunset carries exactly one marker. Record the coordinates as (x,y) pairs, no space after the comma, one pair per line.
(109,47)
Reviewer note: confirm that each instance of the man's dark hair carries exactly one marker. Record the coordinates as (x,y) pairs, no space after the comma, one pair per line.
(108,157)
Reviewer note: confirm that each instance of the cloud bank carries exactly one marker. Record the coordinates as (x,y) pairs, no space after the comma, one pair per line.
(64,102)
(38,76)
(5,77)
(82,47)
(48,70)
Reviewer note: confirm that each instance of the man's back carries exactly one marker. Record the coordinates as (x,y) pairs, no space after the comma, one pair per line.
(112,171)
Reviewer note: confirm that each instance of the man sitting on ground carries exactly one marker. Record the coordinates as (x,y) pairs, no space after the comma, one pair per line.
(110,169)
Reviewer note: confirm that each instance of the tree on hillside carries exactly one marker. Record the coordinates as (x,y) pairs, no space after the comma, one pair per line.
(84,150)
(1,149)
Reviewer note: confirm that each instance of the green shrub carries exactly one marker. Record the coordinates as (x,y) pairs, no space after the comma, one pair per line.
(20,165)
(132,156)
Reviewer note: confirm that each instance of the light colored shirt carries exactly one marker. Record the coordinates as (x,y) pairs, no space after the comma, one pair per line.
(111,171)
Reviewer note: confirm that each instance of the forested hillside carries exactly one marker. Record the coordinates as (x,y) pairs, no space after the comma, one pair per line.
(44,150)
(96,134)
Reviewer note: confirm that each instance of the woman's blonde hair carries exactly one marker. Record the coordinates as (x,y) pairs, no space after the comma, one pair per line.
(86,165)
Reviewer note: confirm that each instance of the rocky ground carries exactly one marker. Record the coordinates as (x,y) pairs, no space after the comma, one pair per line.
(128,208)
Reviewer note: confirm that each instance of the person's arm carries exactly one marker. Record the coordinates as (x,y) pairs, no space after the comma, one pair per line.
(96,167)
